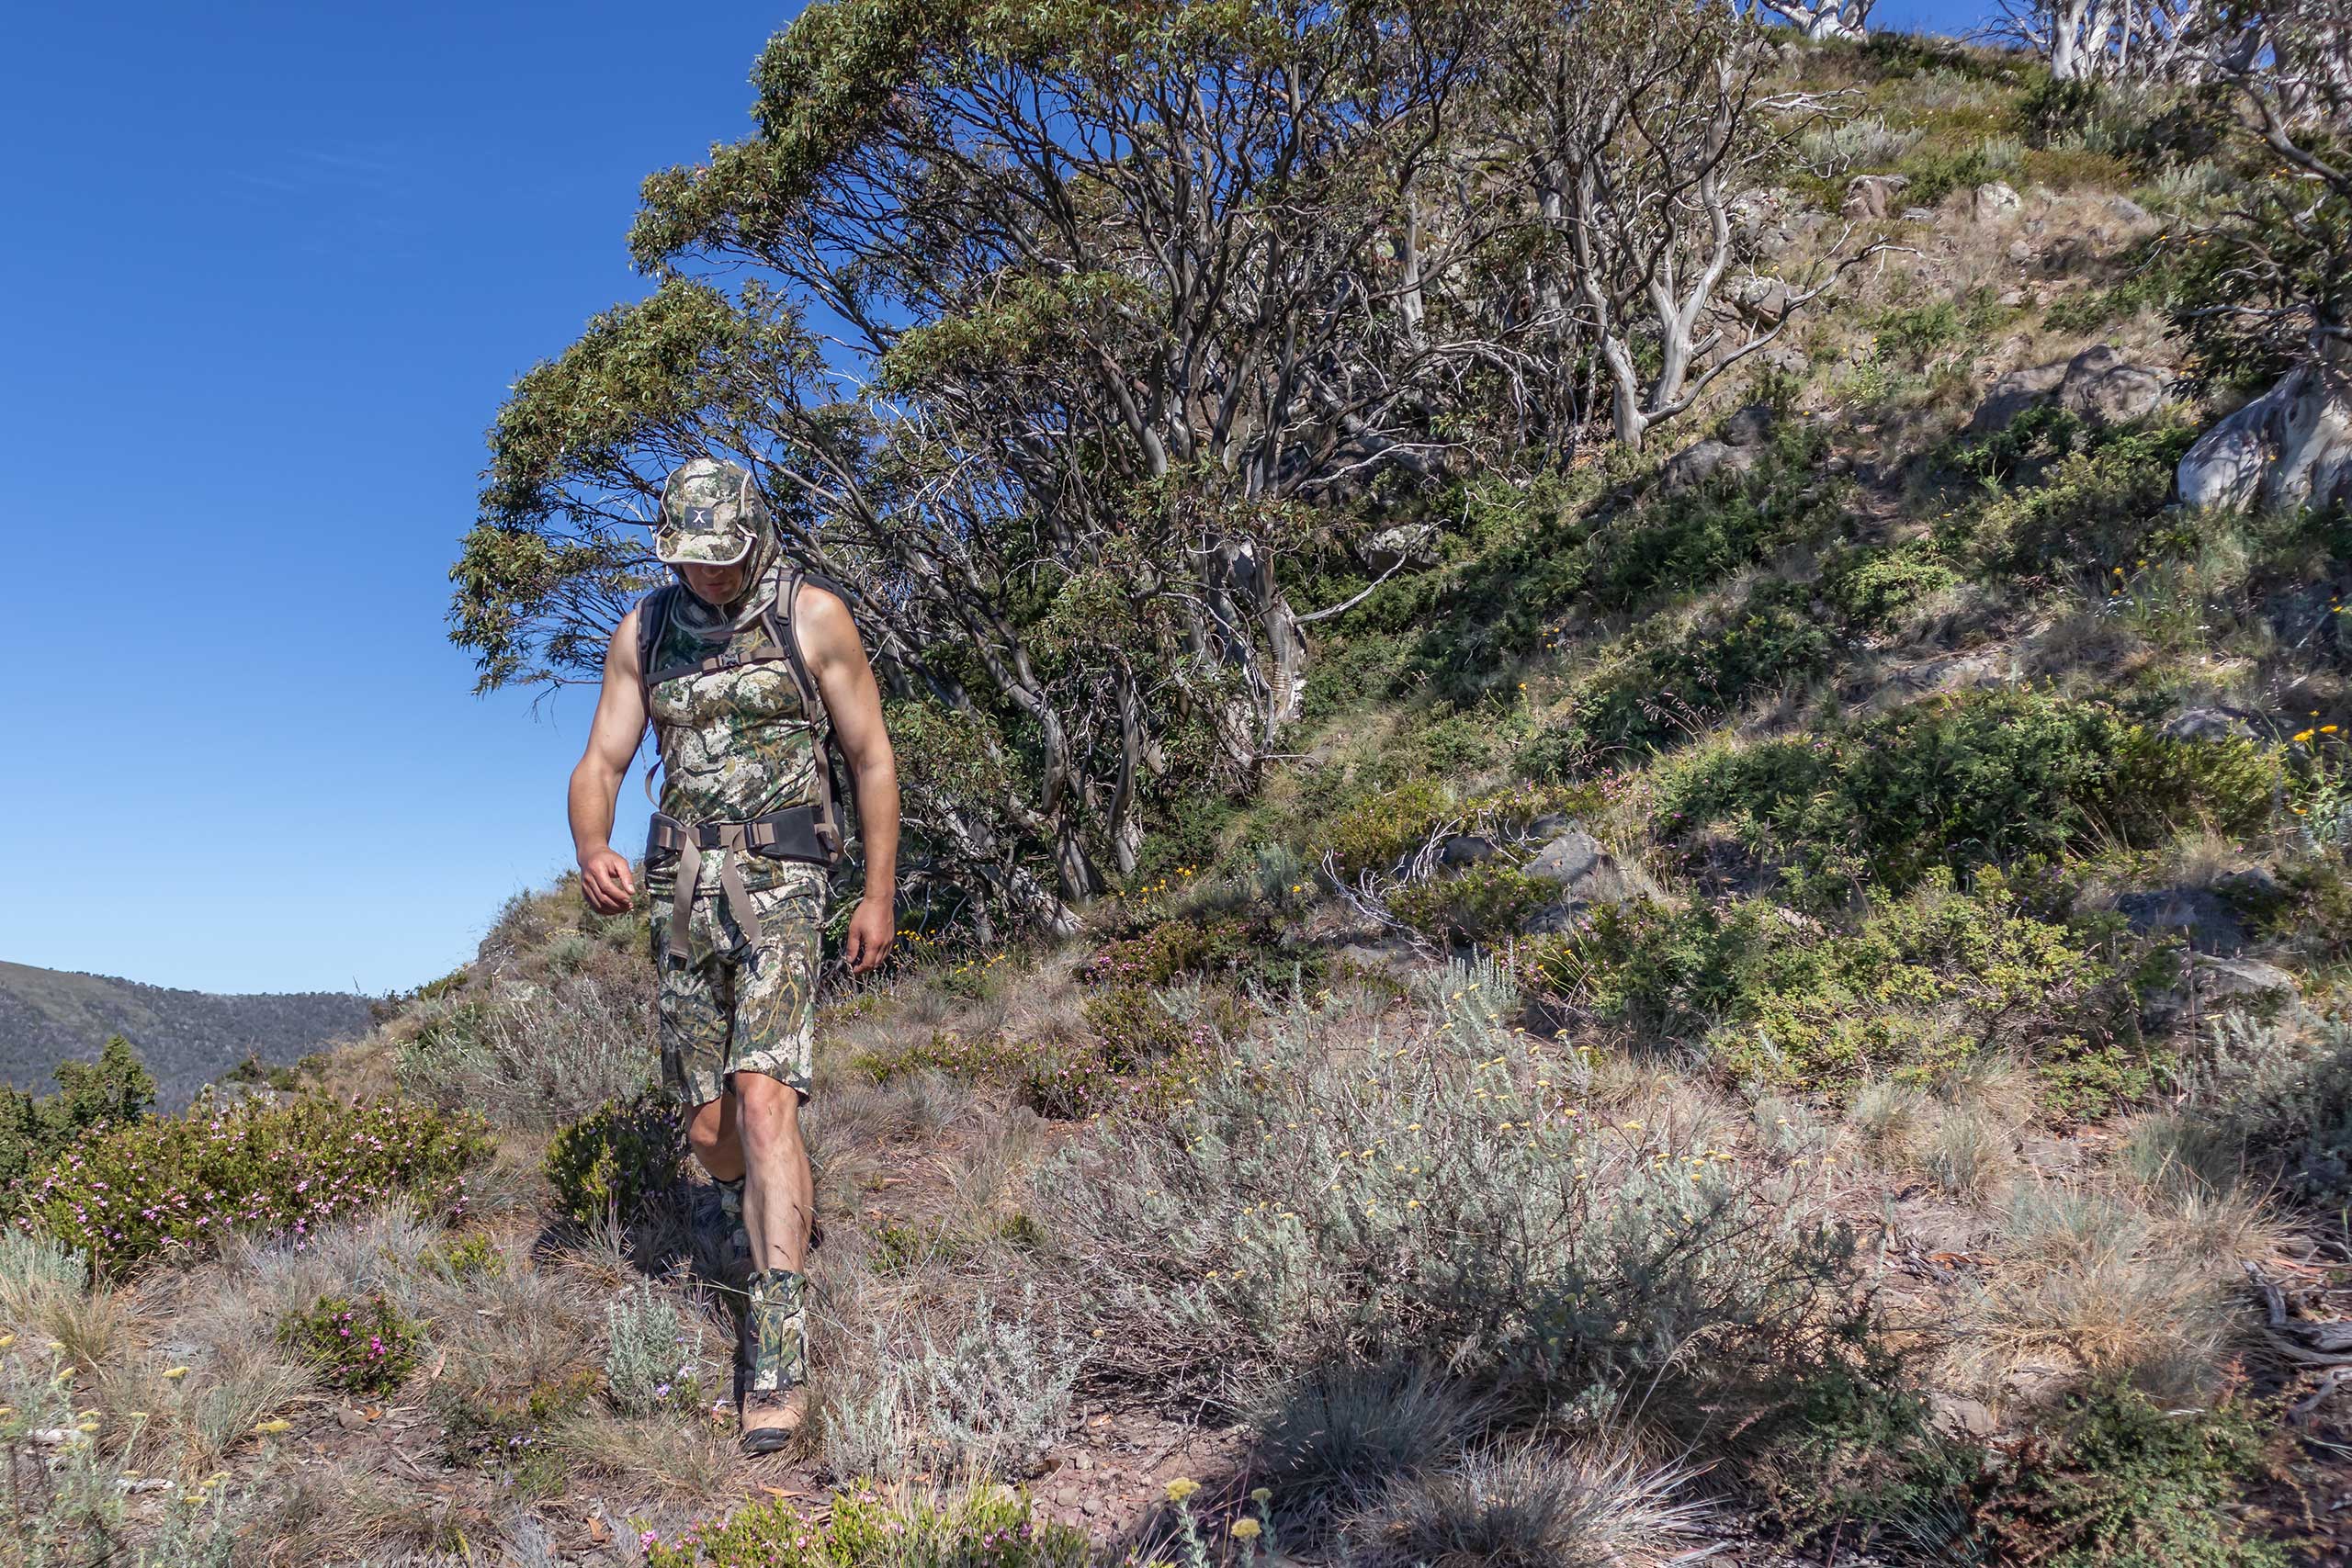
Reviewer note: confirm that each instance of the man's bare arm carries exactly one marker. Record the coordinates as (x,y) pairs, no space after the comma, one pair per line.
(853,703)
(613,738)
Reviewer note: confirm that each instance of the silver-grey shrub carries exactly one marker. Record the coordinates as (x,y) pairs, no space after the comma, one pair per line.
(1344,1186)
(536,1056)
(649,1353)
(985,1405)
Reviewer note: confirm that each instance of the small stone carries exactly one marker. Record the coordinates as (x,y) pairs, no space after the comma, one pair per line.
(2020,252)
(2236,979)
(1995,199)
(351,1420)
(2207,723)
(2101,387)
(1962,1416)
(2010,298)
(1402,546)
(2131,212)
(1918,215)
(2209,924)
(1084,1461)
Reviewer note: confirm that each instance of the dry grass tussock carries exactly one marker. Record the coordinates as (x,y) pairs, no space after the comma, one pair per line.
(2099,1284)
(1520,1505)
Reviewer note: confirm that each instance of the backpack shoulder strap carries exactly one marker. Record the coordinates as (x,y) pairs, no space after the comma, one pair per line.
(652,620)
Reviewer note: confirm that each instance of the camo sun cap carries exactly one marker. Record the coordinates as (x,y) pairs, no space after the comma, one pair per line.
(711,515)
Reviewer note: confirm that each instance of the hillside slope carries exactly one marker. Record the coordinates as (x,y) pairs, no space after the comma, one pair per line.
(186,1038)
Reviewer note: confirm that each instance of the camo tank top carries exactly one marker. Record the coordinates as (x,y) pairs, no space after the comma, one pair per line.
(735,744)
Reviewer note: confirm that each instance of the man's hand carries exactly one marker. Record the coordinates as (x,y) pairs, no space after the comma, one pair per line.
(871,928)
(604,881)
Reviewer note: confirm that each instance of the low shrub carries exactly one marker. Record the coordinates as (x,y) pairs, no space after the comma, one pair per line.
(623,1159)
(1922,987)
(178,1188)
(989,1528)
(1679,678)
(507,1427)
(1874,589)
(539,1057)
(649,1360)
(2125,1480)
(1132,1029)
(1481,903)
(985,1404)
(2097,497)
(1968,781)
(1555,1260)
(2275,1099)
(1375,833)
(360,1345)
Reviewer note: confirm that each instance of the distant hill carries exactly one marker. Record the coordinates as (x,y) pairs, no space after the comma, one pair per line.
(188,1038)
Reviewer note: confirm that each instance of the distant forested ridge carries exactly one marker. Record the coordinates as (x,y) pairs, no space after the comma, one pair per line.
(186,1038)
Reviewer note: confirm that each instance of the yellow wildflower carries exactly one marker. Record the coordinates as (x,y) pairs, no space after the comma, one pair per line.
(1245,1530)
(1181,1488)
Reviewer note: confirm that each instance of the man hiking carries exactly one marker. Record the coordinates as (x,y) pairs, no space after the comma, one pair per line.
(742,665)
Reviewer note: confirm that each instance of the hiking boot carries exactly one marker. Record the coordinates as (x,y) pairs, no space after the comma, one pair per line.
(773,1361)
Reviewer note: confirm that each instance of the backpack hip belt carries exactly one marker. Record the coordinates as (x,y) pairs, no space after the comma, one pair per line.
(798,833)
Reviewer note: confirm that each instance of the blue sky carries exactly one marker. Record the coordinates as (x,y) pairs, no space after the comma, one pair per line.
(271,268)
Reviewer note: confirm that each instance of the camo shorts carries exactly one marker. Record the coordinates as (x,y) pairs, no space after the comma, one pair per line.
(733,1007)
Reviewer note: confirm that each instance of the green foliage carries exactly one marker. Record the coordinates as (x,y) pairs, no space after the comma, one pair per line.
(622,1159)
(2126,1480)
(180,1186)
(2096,499)
(1968,781)
(989,1528)
(1132,1028)
(362,1346)
(2250,291)
(1920,989)
(1479,904)
(1554,548)
(473,1255)
(115,1090)
(504,1426)
(1376,832)
(1874,589)
(1916,334)
(1675,679)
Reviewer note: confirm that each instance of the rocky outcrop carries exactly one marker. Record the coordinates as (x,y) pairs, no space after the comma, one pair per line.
(2290,447)
(2099,386)
(1994,199)
(1402,546)
(1586,873)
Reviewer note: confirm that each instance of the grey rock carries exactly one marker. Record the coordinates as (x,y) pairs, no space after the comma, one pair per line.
(1404,545)
(1585,872)
(1466,849)
(2010,298)
(1751,426)
(2014,393)
(2242,979)
(1787,361)
(1551,825)
(1873,195)
(1696,465)
(1571,859)
(1963,1417)
(2209,924)
(2131,212)
(2101,387)
(1995,198)
(1918,215)
(1766,299)
(2207,723)
(2020,252)
(2290,448)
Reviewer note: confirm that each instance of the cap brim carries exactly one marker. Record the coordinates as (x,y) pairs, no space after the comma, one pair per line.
(700,548)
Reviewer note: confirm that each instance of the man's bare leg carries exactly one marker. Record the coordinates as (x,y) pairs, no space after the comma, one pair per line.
(711,1133)
(779,1194)
(778,1200)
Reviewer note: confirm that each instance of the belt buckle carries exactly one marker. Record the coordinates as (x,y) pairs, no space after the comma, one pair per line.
(706,836)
